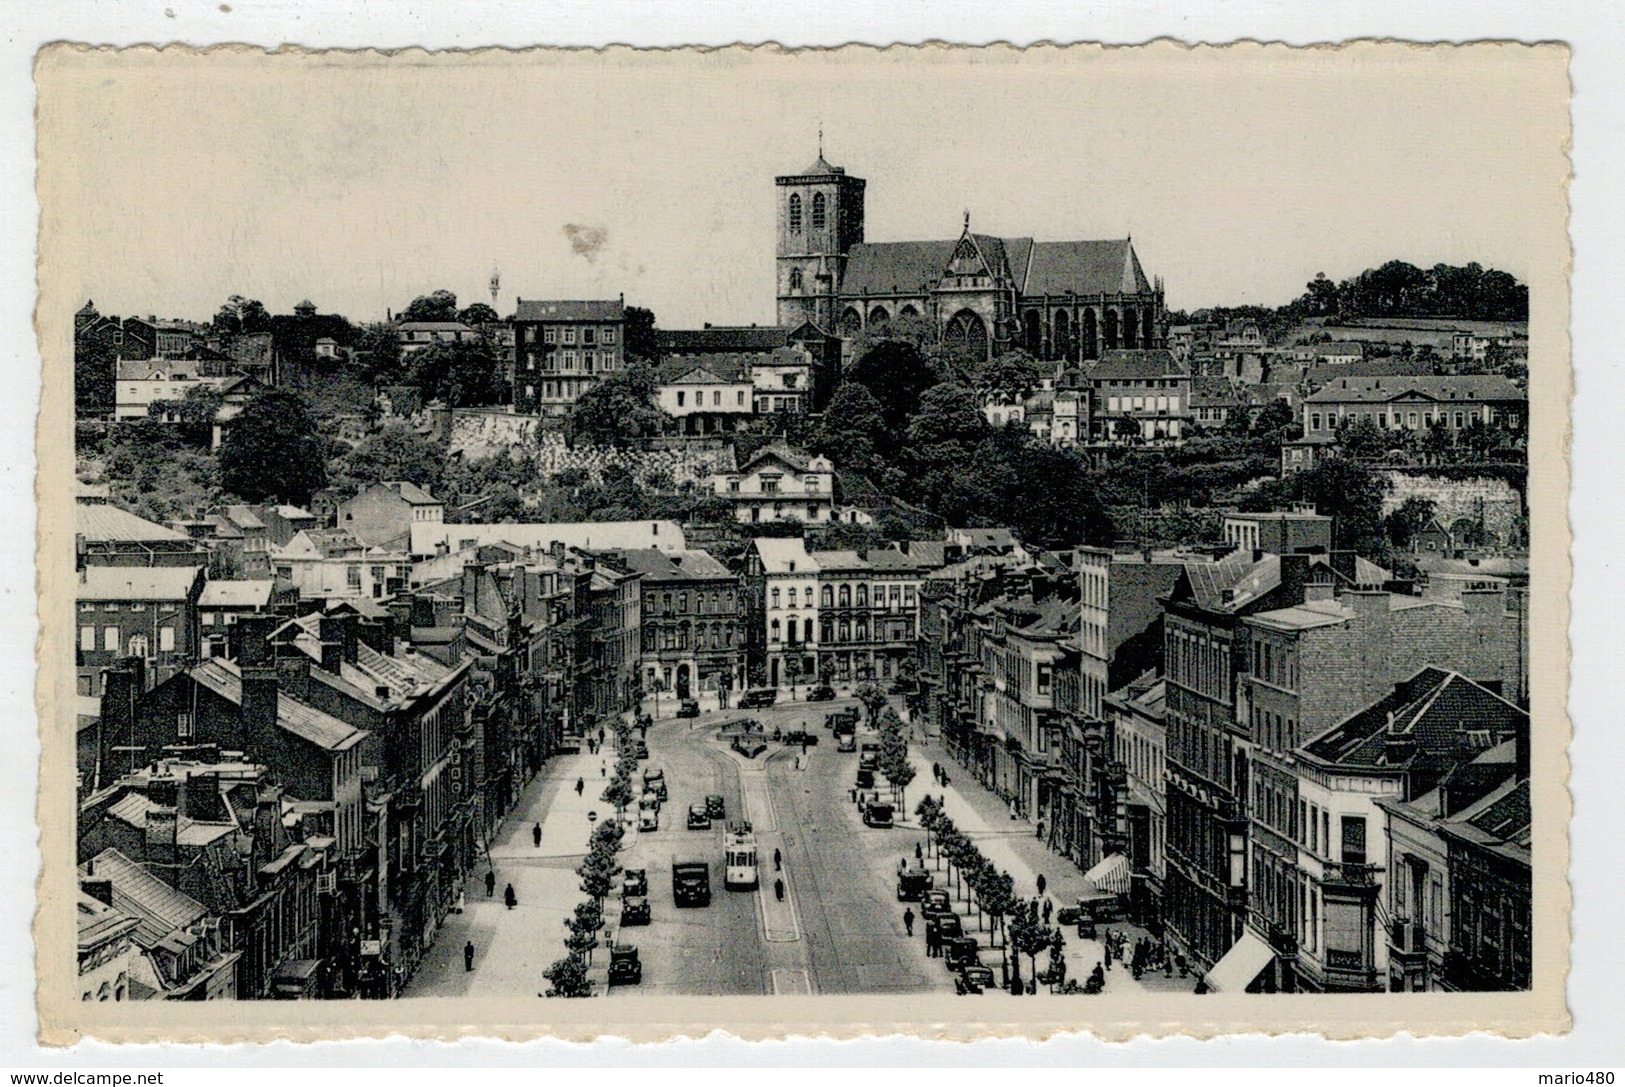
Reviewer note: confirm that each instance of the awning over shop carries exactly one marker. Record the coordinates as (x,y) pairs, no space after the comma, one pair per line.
(1240,966)
(1110,876)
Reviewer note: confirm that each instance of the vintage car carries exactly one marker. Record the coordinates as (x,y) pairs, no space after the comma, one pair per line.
(801,736)
(688,707)
(716,807)
(654,781)
(758,697)
(640,749)
(878,815)
(972,980)
(648,818)
(865,778)
(634,910)
(635,883)
(912,883)
(935,901)
(944,926)
(821,693)
(959,952)
(625,968)
(698,817)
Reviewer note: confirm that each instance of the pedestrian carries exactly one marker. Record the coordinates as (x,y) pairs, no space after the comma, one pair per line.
(936,771)
(1041,883)
(778,889)
(600,734)
(1049,908)
(603,769)
(1040,831)
(580,785)
(1013,814)
(536,835)
(919,852)
(468,956)
(908,920)
(490,883)
(778,861)
(509,897)
(933,941)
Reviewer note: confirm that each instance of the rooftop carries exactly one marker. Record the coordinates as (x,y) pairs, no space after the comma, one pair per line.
(607,310)
(1387,388)
(112,583)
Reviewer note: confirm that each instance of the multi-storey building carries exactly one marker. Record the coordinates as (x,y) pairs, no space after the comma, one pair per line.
(1281,532)
(562,349)
(693,611)
(1120,616)
(791,370)
(1415,404)
(1139,397)
(1140,735)
(384,514)
(144,612)
(780,484)
(331,564)
(1205,650)
(868,613)
(781,592)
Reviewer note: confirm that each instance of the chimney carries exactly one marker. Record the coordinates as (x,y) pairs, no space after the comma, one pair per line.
(99,888)
(1318,592)
(162,829)
(122,686)
(168,792)
(258,711)
(1294,573)
(331,628)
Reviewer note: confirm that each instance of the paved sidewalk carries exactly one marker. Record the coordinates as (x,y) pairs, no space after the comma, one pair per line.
(1012,845)
(513,947)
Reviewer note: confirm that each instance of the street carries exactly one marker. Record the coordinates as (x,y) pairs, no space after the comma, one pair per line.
(839,929)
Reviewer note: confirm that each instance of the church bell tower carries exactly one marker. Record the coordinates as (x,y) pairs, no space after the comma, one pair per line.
(820,218)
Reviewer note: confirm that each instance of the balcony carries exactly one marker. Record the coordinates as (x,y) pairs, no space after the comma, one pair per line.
(1359,876)
(1407,939)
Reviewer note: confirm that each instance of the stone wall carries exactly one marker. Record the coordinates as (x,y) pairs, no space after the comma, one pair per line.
(1494,499)
(481,434)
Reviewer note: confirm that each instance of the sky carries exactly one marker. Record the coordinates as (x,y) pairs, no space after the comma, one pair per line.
(170,181)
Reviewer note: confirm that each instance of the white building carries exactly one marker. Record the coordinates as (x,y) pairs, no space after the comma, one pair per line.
(780,484)
(786,576)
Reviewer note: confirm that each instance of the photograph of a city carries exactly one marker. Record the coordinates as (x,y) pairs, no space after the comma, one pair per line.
(1009,613)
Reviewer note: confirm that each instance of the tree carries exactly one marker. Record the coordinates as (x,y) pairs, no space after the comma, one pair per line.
(642,341)
(1013,375)
(618,411)
(872,698)
(244,315)
(463,373)
(657,687)
(1274,422)
(95,371)
(897,374)
(1352,494)
(378,353)
(479,315)
(440,305)
(1361,439)
(792,672)
(196,414)
(568,978)
(1413,515)
(272,450)
(394,452)
(852,427)
(898,771)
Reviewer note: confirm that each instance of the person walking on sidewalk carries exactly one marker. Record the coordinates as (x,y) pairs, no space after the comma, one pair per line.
(536,835)
(1041,883)
(778,861)
(919,852)
(490,882)
(509,897)
(1049,908)
(468,956)
(580,785)
(908,920)
(1039,830)
(778,889)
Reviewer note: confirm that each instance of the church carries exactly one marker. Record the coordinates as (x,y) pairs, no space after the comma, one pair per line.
(1061,301)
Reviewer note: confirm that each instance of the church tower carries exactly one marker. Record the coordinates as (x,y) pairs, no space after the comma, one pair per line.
(820,218)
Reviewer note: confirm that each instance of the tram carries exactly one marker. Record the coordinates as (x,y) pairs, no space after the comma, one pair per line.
(739,857)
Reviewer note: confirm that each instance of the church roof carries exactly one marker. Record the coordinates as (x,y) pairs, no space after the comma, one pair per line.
(738,339)
(1038,268)
(1084,267)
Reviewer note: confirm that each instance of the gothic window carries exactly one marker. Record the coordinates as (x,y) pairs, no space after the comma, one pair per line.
(1111,329)
(908,311)
(851,322)
(1145,336)
(1130,330)
(795,279)
(1090,334)
(818,211)
(967,334)
(878,317)
(795,213)
(1032,332)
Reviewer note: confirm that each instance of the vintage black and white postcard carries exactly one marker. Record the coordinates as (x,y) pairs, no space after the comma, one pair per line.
(950,541)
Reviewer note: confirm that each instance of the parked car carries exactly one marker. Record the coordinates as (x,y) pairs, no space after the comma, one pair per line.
(688,707)
(821,693)
(801,736)
(640,750)
(846,741)
(944,926)
(912,883)
(959,952)
(716,807)
(972,980)
(935,901)
(648,818)
(866,778)
(750,745)
(698,817)
(635,883)
(878,815)
(654,781)
(869,756)
(634,911)
(625,968)
(757,697)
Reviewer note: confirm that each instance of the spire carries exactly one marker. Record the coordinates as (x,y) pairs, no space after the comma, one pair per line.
(820,139)
(967,220)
